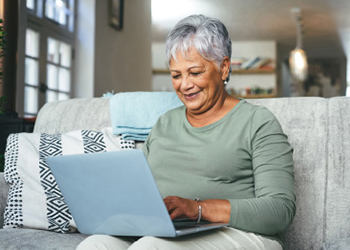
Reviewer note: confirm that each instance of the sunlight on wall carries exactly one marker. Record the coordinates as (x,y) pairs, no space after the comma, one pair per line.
(170,12)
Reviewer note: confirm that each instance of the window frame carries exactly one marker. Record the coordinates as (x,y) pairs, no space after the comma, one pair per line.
(46,28)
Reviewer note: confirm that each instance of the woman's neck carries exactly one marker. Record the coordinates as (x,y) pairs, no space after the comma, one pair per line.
(221,107)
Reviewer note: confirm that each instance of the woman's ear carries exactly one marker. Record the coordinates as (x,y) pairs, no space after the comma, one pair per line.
(225,67)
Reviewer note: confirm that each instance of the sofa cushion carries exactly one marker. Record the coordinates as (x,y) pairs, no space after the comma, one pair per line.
(34,199)
(337,210)
(337,244)
(29,239)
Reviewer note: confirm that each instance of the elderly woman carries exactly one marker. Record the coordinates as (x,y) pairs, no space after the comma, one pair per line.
(231,154)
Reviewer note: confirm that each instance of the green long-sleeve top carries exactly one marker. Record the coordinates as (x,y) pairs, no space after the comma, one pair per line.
(244,157)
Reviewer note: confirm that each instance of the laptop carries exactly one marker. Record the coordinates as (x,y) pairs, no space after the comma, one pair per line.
(114,193)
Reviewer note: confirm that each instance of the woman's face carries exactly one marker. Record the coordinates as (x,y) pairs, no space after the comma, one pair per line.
(197,81)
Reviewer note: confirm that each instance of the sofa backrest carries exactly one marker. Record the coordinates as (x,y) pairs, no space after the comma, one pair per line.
(338,170)
(318,130)
(304,120)
(73,114)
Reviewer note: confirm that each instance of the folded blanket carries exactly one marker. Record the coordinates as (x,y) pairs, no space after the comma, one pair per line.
(133,114)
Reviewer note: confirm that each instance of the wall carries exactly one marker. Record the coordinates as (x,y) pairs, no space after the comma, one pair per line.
(84,50)
(123,58)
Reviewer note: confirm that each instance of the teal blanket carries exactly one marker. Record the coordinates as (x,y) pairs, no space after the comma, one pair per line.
(133,114)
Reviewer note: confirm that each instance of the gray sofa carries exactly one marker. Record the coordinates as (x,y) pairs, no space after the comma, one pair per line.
(318,130)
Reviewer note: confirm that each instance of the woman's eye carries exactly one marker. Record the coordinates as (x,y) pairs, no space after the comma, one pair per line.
(195,73)
(175,76)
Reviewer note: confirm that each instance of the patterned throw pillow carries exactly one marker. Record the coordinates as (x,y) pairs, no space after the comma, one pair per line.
(34,199)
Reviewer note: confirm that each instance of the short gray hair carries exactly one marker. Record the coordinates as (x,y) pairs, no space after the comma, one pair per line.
(208,35)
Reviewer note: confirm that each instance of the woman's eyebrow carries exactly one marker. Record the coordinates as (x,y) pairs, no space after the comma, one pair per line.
(192,67)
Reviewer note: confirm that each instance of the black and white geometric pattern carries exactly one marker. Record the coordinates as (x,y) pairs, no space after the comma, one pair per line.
(58,214)
(126,144)
(93,141)
(13,212)
(11,159)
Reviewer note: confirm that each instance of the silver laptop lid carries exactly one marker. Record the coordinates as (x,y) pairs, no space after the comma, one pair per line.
(112,193)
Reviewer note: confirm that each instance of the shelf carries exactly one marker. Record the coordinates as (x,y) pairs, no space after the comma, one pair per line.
(254,95)
(234,71)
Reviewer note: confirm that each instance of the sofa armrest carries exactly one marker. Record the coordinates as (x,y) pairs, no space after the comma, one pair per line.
(4,188)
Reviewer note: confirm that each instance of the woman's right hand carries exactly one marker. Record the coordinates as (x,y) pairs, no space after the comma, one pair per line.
(181,208)
(214,210)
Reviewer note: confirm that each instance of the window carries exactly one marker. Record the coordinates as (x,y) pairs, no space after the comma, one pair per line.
(31,79)
(49,46)
(61,12)
(31,4)
(58,70)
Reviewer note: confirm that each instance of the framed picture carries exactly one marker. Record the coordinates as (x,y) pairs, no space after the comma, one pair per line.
(116,8)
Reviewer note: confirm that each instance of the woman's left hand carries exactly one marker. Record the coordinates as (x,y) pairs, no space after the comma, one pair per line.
(181,208)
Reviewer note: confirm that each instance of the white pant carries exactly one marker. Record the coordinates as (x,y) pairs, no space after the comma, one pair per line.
(225,239)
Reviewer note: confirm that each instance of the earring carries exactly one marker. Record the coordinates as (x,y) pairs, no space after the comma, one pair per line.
(225,82)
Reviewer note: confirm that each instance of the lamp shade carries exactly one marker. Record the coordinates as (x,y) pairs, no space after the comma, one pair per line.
(298,64)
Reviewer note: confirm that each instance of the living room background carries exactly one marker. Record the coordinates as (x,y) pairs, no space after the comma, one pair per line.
(105,59)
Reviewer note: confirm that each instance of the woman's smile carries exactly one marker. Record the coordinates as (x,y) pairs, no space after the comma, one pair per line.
(192,96)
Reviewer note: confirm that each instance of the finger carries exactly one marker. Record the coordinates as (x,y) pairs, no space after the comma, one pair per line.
(172,202)
(170,208)
(176,213)
(171,199)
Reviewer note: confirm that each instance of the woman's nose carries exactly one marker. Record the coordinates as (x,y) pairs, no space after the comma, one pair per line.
(186,83)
